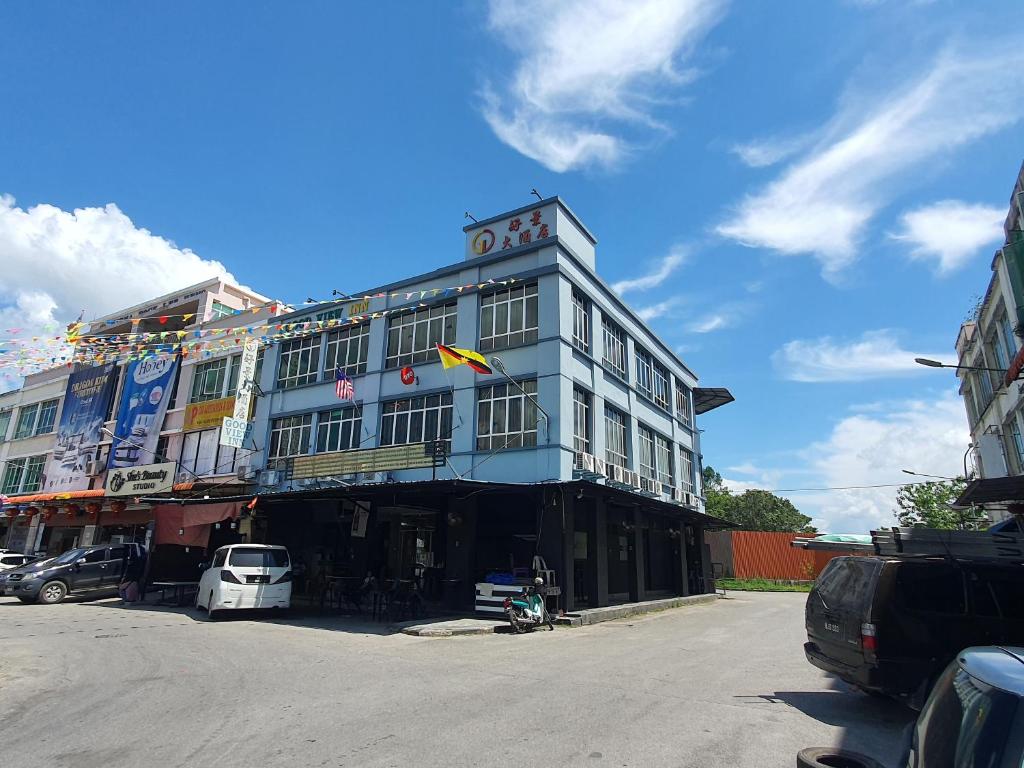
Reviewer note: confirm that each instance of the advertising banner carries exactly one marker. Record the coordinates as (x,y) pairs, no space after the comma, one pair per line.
(85,409)
(246,374)
(208,414)
(148,388)
(234,432)
(141,480)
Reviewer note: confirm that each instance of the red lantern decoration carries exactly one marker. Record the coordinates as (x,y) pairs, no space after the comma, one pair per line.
(71,509)
(92,508)
(31,512)
(117,507)
(49,512)
(408,375)
(12,512)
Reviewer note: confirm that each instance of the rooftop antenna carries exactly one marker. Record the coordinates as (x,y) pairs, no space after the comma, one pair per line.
(471,216)
(535,192)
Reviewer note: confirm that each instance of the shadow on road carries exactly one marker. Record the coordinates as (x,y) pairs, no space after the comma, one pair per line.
(872,725)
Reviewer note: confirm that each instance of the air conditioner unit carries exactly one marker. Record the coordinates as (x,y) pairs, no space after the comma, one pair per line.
(616,474)
(678,495)
(689,499)
(631,478)
(600,467)
(245,472)
(270,477)
(95,467)
(585,461)
(647,485)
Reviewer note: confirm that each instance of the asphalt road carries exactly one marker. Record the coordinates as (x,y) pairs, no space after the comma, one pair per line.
(97,685)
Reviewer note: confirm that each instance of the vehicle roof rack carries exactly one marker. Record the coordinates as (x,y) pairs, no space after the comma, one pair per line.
(1003,547)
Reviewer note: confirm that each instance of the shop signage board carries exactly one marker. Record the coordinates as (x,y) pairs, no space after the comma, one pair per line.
(86,402)
(511,232)
(140,480)
(148,388)
(208,414)
(246,375)
(414,456)
(234,432)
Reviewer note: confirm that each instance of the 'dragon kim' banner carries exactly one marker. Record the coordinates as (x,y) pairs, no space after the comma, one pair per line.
(85,409)
(148,388)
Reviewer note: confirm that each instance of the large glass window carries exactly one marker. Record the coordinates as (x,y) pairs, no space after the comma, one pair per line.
(644,373)
(14,469)
(47,417)
(616,437)
(26,421)
(614,348)
(508,317)
(580,321)
(663,455)
(662,397)
(199,453)
(685,469)
(506,418)
(5,423)
(684,407)
(208,380)
(348,349)
(581,420)
(1018,443)
(417,420)
(24,475)
(413,336)
(648,460)
(290,436)
(1006,330)
(300,362)
(338,430)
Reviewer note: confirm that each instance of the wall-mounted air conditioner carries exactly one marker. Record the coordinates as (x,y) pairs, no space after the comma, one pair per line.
(678,495)
(95,467)
(600,467)
(630,478)
(245,473)
(647,485)
(270,477)
(616,474)
(585,462)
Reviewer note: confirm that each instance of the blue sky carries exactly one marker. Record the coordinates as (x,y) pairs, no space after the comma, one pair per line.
(814,189)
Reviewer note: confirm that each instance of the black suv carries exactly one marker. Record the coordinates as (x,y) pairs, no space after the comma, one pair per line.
(86,570)
(890,626)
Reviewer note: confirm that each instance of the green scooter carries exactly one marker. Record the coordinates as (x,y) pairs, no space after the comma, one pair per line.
(528,610)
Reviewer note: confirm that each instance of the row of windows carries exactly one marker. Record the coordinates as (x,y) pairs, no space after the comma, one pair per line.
(34,419)
(508,318)
(657,453)
(507,418)
(24,475)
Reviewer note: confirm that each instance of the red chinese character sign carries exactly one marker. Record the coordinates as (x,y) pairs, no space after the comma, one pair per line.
(521,229)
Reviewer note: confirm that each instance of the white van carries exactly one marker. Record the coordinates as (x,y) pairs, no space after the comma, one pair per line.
(246,576)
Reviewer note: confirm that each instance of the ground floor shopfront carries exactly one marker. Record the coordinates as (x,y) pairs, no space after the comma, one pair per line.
(598,544)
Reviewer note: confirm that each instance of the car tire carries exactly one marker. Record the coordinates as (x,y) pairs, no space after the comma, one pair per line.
(829,757)
(52,592)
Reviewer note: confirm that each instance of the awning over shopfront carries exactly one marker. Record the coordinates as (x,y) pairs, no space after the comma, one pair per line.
(708,398)
(1002,490)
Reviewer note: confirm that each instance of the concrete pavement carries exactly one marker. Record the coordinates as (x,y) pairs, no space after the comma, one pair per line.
(99,685)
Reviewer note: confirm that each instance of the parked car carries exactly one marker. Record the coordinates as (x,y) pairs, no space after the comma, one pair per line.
(85,570)
(973,717)
(890,626)
(246,576)
(9,560)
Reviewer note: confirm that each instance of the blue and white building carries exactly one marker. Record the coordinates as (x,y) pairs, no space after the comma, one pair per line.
(581,446)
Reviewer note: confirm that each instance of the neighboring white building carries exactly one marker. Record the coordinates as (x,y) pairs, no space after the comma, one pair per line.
(993,340)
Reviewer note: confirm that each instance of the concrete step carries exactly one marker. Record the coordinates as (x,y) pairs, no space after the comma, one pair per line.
(624,611)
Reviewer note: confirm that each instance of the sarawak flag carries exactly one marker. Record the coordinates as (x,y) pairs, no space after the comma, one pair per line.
(452,356)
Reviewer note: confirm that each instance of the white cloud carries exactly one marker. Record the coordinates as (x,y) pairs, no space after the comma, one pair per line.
(585,64)
(660,309)
(665,267)
(765,152)
(709,323)
(876,355)
(822,203)
(950,232)
(927,436)
(57,264)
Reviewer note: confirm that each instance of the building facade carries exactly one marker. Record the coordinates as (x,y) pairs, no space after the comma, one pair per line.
(990,352)
(586,419)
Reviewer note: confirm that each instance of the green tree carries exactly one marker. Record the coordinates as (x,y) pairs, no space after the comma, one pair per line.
(929,505)
(756,510)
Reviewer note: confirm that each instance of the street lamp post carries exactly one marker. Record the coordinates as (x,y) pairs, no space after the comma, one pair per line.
(936,364)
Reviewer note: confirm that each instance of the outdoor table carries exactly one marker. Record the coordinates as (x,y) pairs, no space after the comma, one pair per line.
(180,590)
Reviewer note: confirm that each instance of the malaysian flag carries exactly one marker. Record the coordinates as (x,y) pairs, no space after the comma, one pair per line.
(343,386)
